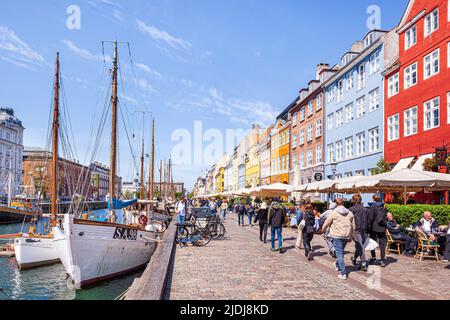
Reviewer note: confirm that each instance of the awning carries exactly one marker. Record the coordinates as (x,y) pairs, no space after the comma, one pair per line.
(418,166)
(403,164)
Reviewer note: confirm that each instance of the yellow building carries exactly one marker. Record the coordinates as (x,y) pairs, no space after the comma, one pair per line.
(280,150)
(252,166)
(220,180)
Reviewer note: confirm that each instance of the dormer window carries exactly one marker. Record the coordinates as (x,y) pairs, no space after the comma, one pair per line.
(368,40)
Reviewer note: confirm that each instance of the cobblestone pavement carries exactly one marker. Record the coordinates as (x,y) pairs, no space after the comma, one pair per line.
(242,267)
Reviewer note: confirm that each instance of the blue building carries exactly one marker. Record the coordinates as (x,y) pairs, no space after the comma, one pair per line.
(354,109)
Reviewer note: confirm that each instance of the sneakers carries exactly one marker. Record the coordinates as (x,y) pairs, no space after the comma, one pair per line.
(273,250)
(364,268)
(353,261)
(281,251)
(336,266)
(342,276)
(310,255)
(382,264)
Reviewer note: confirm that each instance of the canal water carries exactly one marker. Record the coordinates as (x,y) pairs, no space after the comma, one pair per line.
(51,282)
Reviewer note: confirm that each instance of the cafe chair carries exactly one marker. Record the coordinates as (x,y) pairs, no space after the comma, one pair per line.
(426,244)
(390,241)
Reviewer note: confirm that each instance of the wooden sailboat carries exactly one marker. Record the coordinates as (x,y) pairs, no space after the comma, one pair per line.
(34,250)
(92,251)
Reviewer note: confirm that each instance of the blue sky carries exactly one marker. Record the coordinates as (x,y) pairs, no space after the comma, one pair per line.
(227,63)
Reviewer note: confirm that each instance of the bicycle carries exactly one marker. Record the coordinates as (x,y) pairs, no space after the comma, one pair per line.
(190,233)
(211,223)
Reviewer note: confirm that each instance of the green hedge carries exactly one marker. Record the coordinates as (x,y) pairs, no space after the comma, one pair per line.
(407,215)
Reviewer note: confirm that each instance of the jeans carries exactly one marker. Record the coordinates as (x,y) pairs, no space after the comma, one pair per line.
(263,232)
(274,230)
(379,237)
(299,238)
(180,220)
(224,213)
(307,238)
(241,218)
(329,241)
(360,240)
(339,245)
(250,219)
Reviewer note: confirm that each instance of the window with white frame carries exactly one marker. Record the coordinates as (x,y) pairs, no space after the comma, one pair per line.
(349,81)
(330,122)
(349,174)
(393,85)
(302,160)
(411,75)
(374,63)
(411,121)
(310,132)
(318,128)
(302,113)
(349,113)
(294,118)
(340,91)
(374,99)
(410,37)
(310,108)
(330,95)
(330,148)
(349,147)
(448,107)
(374,139)
(431,22)
(339,118)
(360,173)
(360,143)
(361,76)
(339,150)
(431,64)
(319,102)
(294,141)
(431,114)
(319,153)
(394,127)
(310,158)
(360,107)
(294,161)
(302,137)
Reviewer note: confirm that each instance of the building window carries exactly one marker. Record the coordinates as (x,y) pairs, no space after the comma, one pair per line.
(294,118)
(431,22)
(330,95)
(294,141)
(310,132)
(360,143)
(349,81)
(330,148)
(302,114)
(339,118)
(340,91)
(374,100)
(319,154)
(310,158)
(374,63)
(410,37)
(374,140)
(319,102)
(349,147)
(431,114)
(360,107)
(318,128)
(349,113)
(411,75)
(302,137)
(393,85)
(393,127)
(411,122)
(330,122)
(339,150)
(294,161)
(359,173)
(361,77)
(431,64)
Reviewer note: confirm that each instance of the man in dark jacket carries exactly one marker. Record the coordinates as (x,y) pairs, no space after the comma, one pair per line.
(308,231)
(276,218)
(398,233)
(241,212)
(261,216)
(377,225)
(360,235)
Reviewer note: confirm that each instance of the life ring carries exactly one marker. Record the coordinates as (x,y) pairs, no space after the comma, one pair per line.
(143,221)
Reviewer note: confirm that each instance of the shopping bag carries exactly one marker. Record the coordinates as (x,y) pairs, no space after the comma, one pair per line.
(370,245)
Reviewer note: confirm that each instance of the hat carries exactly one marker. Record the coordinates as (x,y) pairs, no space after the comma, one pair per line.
(333,206)
(264,205)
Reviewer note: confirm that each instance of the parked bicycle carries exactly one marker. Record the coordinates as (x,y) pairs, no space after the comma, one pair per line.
(190,233)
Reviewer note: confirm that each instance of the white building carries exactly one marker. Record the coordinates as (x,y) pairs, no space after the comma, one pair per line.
(11,153)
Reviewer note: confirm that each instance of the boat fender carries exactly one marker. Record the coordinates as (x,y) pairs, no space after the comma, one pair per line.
(143,220)
(81,234)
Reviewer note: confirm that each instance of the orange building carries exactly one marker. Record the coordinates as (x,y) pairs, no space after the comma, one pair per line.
(280,151)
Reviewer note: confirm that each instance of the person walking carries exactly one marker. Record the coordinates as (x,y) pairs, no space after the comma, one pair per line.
(250,214)
(224,208)
(181,212)
(277,217)
(309,230)
(241,212)
(261,217)
(213,207)
(300,210)
(326,234)
(360,236)
(342,225)
(377,224)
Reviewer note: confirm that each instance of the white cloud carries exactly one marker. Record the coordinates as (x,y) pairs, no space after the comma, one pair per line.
(163,36)
(83,53)
(146,68)
(118,15)
(144,85)
(16,51)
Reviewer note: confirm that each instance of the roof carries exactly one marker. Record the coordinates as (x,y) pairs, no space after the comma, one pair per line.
(285,112)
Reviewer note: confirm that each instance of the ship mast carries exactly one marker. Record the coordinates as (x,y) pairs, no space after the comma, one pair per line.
(141,193)
(113,151)
(152,164)
(160,178)
(55,128)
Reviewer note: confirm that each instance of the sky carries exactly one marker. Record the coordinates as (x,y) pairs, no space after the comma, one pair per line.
(226,63)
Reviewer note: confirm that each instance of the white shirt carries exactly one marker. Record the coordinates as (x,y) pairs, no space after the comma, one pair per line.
(427,226)
(181,209)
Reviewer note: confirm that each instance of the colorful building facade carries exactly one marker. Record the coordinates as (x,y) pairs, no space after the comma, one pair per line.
(264,157)
(280,152)
(252,166)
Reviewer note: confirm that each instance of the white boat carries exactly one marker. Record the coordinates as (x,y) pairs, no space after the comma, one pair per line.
(32,251)
(96,251)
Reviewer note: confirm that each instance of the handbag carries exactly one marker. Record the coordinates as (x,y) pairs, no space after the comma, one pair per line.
(370,244)
(302,224)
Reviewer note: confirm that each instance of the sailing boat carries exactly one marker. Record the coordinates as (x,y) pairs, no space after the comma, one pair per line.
(93,251)
(33,250)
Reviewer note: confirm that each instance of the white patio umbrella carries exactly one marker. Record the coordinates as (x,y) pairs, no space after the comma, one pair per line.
(273,190)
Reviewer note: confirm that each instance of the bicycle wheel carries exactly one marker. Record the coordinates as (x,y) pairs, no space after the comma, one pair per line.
(205,237)
(222,230)
(214,229)
(182,234)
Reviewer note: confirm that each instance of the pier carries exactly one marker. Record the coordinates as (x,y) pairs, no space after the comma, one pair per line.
(242,267)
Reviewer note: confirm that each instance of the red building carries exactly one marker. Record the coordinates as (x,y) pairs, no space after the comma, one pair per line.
(417,86)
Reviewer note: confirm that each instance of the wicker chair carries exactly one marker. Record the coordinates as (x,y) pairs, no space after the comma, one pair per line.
(426,244)
(390,242)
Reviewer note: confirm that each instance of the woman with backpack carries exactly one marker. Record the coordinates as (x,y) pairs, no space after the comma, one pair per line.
(308,230)
(250,213)
(261,217)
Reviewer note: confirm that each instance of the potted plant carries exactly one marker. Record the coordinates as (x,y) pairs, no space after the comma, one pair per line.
(429,165)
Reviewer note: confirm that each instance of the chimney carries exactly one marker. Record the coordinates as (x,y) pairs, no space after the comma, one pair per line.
(320,67)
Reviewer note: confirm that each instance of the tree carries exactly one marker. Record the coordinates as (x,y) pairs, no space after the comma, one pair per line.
(382,167)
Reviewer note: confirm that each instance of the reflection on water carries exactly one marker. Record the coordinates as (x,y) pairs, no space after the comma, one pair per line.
(51,282)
